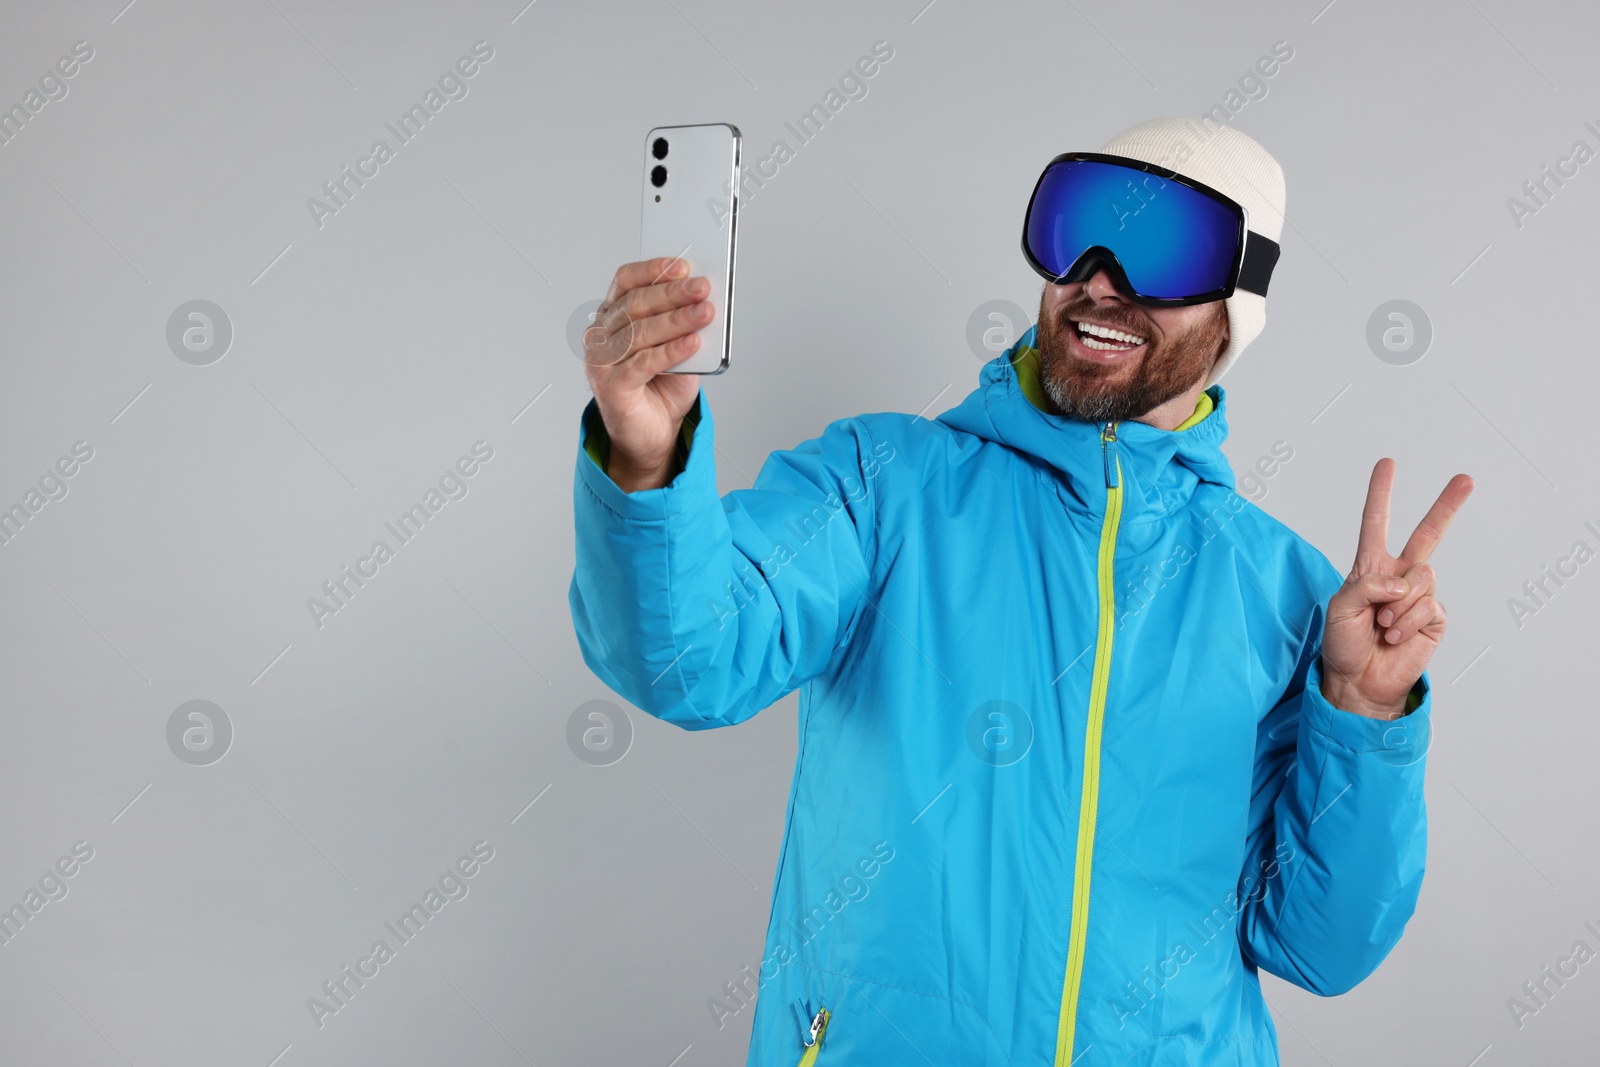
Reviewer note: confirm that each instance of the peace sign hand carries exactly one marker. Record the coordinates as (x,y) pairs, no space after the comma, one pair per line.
(1384,623)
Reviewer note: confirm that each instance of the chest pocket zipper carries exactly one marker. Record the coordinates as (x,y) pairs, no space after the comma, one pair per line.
(819,1026)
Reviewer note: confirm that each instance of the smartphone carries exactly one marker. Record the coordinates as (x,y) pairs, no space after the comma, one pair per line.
(691,211)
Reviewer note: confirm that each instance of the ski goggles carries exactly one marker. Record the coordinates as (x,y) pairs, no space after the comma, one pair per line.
(1166,240)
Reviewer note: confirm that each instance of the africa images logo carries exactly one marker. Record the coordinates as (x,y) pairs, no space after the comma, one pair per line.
(453,485)
(453,885)
(342,188)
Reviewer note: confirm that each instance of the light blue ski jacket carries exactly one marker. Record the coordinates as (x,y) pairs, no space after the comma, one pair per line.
(1066,776)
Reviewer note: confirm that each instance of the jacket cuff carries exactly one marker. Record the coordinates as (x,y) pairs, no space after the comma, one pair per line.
(1403,740)
(597,445)
(696,475)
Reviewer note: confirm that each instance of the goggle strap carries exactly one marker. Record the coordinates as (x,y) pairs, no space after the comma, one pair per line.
(1260,256)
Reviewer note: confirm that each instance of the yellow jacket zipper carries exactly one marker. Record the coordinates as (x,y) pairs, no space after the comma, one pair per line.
(1067,1025)
(819,1026)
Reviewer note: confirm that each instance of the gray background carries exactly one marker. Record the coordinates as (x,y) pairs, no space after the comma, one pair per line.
(369,354)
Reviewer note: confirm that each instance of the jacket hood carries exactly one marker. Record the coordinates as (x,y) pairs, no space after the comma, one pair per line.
(1161,469)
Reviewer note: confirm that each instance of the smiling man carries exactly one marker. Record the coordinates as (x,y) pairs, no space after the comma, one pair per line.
(1102,358)
(1103,822)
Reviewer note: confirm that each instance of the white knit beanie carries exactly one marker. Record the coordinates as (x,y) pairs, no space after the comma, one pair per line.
(1231,163)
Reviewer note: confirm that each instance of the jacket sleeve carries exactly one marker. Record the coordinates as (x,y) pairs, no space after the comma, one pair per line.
(702,611)
(1338,836)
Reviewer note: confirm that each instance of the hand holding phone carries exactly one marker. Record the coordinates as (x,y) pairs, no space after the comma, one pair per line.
(660,323)
(647,324)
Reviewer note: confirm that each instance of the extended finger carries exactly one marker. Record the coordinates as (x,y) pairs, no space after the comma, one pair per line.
(1425,538)
(1420,582)
(1423,613)
(1373,543)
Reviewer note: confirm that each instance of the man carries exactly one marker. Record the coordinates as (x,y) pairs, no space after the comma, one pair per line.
(1085,738)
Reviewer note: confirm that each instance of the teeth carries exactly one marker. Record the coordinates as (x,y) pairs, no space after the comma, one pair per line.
(1109,334)
(1102,346)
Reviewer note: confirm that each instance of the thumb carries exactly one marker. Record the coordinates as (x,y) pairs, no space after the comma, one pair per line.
(1355,597)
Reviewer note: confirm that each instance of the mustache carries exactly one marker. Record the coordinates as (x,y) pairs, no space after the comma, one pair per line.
(1084,311)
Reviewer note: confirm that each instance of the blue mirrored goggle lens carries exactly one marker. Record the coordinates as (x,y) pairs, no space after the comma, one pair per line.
(1172,241)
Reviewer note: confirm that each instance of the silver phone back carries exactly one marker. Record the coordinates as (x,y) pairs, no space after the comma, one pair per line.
(693,215)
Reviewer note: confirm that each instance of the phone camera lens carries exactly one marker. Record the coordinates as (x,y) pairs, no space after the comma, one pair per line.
(658,176)
(659,149)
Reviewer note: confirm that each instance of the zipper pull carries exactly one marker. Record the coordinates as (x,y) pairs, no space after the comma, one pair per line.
(1108,442)
(817,1024)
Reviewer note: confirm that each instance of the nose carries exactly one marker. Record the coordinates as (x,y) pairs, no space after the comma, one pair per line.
(1101,289)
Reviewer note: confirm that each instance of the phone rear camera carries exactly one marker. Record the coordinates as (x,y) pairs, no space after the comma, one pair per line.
(659,149)
(658,176)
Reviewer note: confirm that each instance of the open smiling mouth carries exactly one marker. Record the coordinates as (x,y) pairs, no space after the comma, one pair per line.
(1104,342)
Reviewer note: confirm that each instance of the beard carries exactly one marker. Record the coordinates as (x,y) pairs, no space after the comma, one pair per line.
(1097,392)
